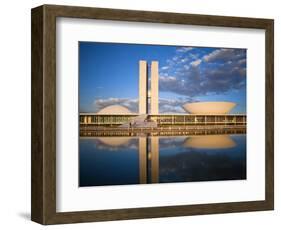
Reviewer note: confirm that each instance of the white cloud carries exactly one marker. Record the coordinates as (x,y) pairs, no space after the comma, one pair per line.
(131,104)
(223,54)
(167,79)
(184,49)
(164,67)
(165,105)
(186,67)
(223,70)
(242,61)
(196,63)
(183,60)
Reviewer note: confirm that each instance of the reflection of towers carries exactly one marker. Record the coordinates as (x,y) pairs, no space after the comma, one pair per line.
(143,159)
(143,87)
(145,156)
(154,150)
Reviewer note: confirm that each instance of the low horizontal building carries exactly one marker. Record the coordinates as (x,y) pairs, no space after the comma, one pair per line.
(164,119)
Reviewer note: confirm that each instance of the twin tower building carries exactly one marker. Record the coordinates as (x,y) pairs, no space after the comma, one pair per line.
(148,97)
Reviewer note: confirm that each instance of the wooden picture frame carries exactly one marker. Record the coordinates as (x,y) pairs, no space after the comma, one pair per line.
(43,208)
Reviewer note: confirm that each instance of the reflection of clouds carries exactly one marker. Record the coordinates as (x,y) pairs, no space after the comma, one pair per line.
(121,143)
(200,166)
(181,164)
(116,143)
(200,141)
(210,142)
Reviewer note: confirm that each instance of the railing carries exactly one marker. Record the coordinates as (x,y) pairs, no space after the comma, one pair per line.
(114,120)
(161,131)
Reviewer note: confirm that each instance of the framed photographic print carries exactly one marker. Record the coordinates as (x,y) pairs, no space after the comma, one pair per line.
(141,114)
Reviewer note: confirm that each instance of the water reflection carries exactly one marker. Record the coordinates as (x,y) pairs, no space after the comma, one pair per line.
(154,159)
(114,141)
(210,142)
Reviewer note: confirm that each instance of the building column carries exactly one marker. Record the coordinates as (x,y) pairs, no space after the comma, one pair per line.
(154,88)
(143,87)
(89,121)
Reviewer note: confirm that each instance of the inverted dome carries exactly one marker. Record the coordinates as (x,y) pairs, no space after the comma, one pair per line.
(210,142)
(114,141)
(212,107)
(114,109)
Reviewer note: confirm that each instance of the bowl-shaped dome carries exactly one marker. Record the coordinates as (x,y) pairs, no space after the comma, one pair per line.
(114,109)
(210,142)
(215,107)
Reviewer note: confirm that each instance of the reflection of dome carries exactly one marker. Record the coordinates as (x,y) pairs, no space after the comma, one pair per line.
(216,107)
(210,142)
(114,109)
(115,141)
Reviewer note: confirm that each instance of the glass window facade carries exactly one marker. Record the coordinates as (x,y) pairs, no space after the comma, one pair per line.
(189,119)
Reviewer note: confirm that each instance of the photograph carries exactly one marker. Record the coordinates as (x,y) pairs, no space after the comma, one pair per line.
(141,114)
(152,114)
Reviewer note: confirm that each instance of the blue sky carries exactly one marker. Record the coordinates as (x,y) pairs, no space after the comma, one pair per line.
(108,74)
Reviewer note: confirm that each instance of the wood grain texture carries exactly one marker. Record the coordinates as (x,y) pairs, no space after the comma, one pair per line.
(37,116)
(44,114)
(269,114)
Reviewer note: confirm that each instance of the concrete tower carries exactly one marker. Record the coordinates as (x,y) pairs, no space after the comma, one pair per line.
(143,87)
(154,88)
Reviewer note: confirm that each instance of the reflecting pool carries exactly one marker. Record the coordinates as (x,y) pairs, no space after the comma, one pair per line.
(123,160)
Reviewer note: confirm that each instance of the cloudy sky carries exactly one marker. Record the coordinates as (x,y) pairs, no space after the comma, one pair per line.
(108,74)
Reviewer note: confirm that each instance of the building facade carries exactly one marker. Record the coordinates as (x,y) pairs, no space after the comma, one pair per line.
(201,113)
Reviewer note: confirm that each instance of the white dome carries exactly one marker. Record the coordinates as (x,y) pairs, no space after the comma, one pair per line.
(114,109)
(212,107)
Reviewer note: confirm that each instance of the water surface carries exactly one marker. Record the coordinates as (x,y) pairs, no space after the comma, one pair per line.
(161,159)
